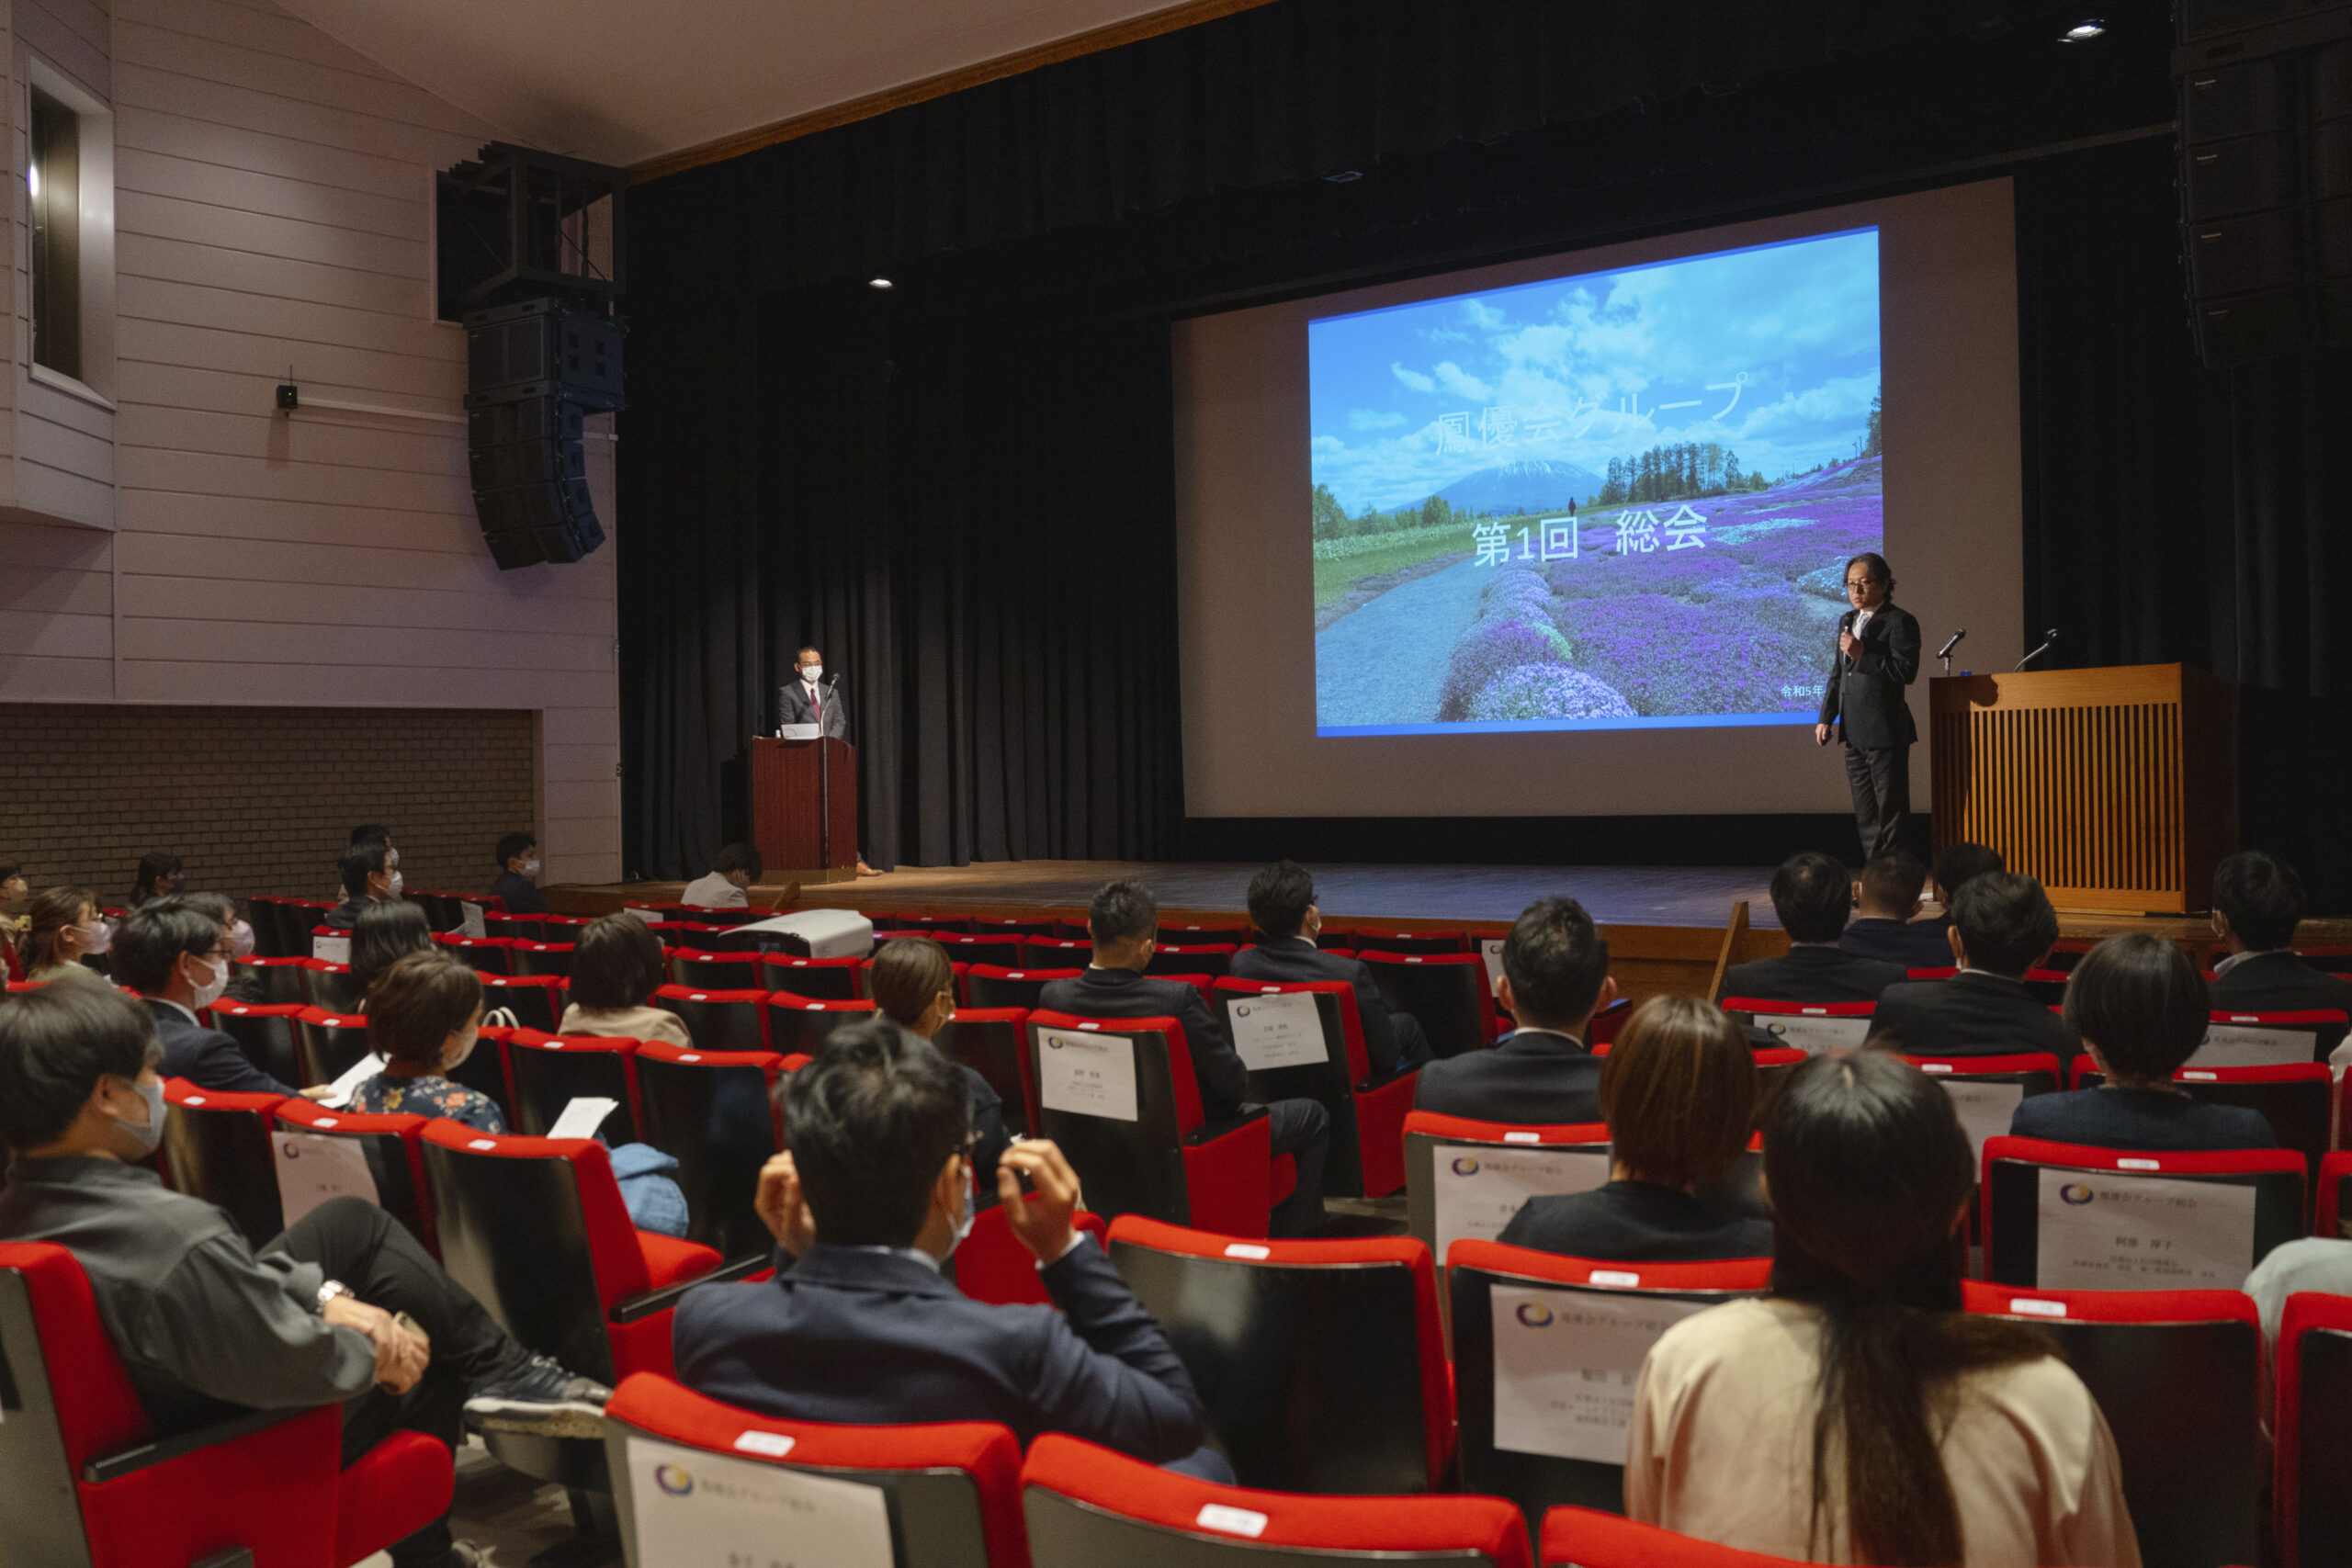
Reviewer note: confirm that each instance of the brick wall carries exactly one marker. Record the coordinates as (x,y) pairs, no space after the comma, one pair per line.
(259,800)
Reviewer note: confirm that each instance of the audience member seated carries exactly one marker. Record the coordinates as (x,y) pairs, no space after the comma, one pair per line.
(858,1327)
(1886,898)
(62,926)
(158,877)
(2002,926)
(1811,893)
(1283,907)
(2257,903)
(1123,921)
(1678,1090)
(224,908)
(913,984)
(737,867)
(424,1017)
(1857,1414)
(14,891)
(518,869)
(616,966)
(386,932)
(2141,1009)
(207,1327)
(1556,976)
(175,953)
(368,877)
(1959,865)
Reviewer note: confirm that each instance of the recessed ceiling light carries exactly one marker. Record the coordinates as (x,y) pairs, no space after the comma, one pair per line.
(2084,31)
(878,283)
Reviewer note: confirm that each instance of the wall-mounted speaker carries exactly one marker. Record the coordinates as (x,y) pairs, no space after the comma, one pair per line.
(534,371)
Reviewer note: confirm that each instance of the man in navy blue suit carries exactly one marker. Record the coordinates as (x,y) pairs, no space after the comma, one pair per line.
(1282,906)
(859,1327)
(176,955)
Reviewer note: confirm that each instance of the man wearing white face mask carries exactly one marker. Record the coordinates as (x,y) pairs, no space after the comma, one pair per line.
(518,868)
(371,876)
(175,954)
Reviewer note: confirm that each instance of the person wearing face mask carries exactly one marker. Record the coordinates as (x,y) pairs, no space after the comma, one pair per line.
(858,1326)
(209,1328)
(159,877)
(175,954)
(369,876)
(913,984)
(809,698)
(61,928)
(518,869)
(424,1017)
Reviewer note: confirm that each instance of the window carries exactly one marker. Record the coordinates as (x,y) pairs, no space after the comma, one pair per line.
(53,183)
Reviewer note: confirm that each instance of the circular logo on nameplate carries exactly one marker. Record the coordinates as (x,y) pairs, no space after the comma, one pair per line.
(2076,1193)
(673,1479)
(1465,1166)
(1535,1314)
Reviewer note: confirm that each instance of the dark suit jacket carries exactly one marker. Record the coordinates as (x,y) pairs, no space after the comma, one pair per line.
(798,709)
(1636,1222)
(1915,945)
(1971,1014)
(1534,1077)
(1812,974)
(1130,993)
(2140,1119)
(878,1338)
(206,1057)
(519,894)
(1866,701)
(343,916)
(1295,960)
(2280,982)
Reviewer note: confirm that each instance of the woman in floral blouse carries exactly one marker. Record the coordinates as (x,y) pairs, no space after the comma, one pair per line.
(424,1014)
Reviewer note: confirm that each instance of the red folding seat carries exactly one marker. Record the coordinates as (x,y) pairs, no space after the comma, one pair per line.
(541,958)
(913,923)
(1088,1506)
(714,1111)
(1003,948)
(331,1043)
(1368,1114)
(796,1024)
(990,1264)
(2047,987)
(1129,1118)
(987,1040)
(953,1487)
(216,1148)
(536,1001)
(2269,1039)
(489,955)
(1528,1329)
(994,985)
(1023,926)
(2314,1430)
(819,979)
(275,932)
(265,1031)
(88,1482)
(714,971)
(1446,991)
(1057,952)
(2334,1203)
(1321,1363)
(514,928)
(2296,1099)
(485,1069)
(717,1020)
(1988,1090)
(393,1147)
(1465,1179)
(550,1071)
(2179,1375)
(1213,959)
(1588,1538)
(1425,944)
(330,986)
(278,980)
(1196,934)
(1810,1027)
(865,977)
(2065,1216)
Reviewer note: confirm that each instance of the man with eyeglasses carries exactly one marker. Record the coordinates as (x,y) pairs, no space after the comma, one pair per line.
(175,954)
(1862,702)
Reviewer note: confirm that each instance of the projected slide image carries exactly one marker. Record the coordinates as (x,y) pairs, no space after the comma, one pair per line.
(1610,501)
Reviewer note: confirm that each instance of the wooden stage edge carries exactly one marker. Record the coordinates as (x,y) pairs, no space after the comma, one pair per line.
(1667,926)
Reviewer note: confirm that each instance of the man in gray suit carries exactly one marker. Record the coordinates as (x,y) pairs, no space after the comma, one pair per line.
(1878,655)
(806,699)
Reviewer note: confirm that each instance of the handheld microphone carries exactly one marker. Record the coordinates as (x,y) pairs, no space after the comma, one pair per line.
(2048,638)
(1845,625)
(1945,652)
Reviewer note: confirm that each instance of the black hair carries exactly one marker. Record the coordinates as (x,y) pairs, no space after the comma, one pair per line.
(153,866)
(513,844)
(1811,895)
(1279,897)
(2004,921)
(1892,881)
(420,999)
(1556,961)
(738,857)
(55,1045)
(1962,863)
(10,870)
(360,863)
(1120,913)
(2140,999)
(616,962)
(806,648)
(385,933)
(153,937)
(370,834)
(1876,565)
(870,1122)
(2262,897)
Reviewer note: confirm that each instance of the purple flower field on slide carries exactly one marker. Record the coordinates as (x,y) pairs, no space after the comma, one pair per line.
(1741,626)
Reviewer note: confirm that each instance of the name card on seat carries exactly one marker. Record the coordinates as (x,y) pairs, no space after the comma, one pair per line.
(2102,1232)
(1812,1035)
(1087,1075)
(707,1510)
(469,921)
(1984,1110)
(314,1167)
(331,949)
(1278,1031)
(1564,1366)
(2239,1045)
(1479,1187)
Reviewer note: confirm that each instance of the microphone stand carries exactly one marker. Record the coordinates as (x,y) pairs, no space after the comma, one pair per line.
(1944,653)
(2048,638)
(825,780)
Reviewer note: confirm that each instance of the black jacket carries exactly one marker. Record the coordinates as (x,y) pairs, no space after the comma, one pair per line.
(519,894)
(1295,961)
(2140,1119)
(1636,1222)
(1533,1079)
(1971,1014)
(1813,974)
(792,699)
(2280,982)
(1866,701)
(1130,993)
(206,1057)
(1915,945)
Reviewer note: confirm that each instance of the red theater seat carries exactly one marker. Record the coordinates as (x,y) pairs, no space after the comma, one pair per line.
(265,1031)
(987,1040)
(1446,991)
(1810,1027)
(1368,1115)
(990,1264)
(489,955)
(1436,1146)
(331,1043)
(216,1148)
(994,985)
(713,1112)
(819,979)
(550,1071)
(717,1020)
(394,1147)
(2027,1179)
(2314,1430)
(1586,1538)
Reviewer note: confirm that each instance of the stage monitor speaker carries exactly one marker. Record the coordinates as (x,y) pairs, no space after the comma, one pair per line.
(2265,89)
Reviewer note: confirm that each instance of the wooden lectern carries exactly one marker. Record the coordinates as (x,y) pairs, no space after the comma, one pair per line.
(2116,788)
(804,807)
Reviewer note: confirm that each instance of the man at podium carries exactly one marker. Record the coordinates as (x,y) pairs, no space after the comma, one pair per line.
(807,700)
(1878,655)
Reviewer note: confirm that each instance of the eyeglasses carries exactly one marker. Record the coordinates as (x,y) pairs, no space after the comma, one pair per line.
(1854,584)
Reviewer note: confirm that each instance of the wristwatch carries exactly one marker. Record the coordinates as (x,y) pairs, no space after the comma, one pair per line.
(330,1291)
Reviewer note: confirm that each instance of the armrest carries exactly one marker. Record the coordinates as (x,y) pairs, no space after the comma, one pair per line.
(1210,1131)
(163,1450)
(637,1308)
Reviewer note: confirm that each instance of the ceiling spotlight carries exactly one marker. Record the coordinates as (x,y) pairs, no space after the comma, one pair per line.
(878,283)
(2084,31)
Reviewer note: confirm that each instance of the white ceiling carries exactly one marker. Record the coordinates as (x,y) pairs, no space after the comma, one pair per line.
(625,81)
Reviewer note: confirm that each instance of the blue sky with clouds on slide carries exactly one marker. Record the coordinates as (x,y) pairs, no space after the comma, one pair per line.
(1771,350)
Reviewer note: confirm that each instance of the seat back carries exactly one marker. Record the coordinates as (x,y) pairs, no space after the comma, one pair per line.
(541,958)
(1589,1538)
(2062,1216)
(1021,926)
(216,1148)
(535,1001)
(266,1032)
(714,1112)
(484,1070)
(1195,958)
(2314,1430)
(1464,1180)
(514,928)
(1086,1505)
(1119,1097)
(53,1340)
(819,979)
(2334,1204)
(1545,1348)
(275,981)
(1810,1027)
(1988,1090)
(796,1024)
(1321,1363)
(1307,1048)
(995,985)
(269,914)
(1196,934)
(1424,943)
(931,1496)
(550,1071)
(331,986)
(987,1040)
(714,971)
(1003,948)
(331,1043)
(2269,1039)
(1447,991)
(487,954)
(2178,1374)
(717,1020)
(2297,1100)
(1057,952)
(391,1147)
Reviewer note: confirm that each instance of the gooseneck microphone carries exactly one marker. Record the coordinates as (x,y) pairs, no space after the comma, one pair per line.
(2048,638)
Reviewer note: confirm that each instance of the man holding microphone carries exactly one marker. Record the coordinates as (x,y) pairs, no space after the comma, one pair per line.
(1878,656)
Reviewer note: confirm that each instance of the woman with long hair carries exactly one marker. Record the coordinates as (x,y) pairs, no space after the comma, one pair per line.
(159,877)
(1857,1414)
(61,925)
(913,982)
(383,934)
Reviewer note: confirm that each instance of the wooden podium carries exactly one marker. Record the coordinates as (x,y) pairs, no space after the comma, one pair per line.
(803,809)
(2116,788)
